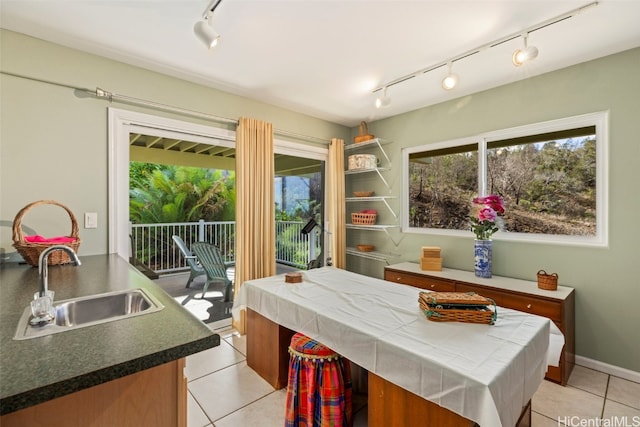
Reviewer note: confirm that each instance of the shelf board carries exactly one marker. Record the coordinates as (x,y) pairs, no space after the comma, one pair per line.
(355,171)
(378,256)
(373,227)
(374,141)
(369,198)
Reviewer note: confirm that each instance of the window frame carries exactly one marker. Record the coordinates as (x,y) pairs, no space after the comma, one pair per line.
(599,119)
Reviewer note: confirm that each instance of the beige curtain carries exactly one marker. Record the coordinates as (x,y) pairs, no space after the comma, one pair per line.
(336,203)
(255,205)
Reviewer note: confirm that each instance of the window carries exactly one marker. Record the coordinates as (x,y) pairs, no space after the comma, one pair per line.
(552,176)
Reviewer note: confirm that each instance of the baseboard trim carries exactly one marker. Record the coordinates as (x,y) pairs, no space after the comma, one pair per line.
(616,371)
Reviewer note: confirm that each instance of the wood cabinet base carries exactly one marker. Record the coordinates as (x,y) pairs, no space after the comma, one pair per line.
(267,345)
(393,406)
(388,404)
(153,397)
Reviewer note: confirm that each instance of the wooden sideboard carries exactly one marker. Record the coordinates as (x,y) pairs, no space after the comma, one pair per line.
(522,295)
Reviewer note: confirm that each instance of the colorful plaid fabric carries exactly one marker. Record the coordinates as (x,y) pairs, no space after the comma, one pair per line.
(319,386)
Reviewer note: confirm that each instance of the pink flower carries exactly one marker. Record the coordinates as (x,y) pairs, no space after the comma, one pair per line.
(493,201)
(487,214)
(484,215)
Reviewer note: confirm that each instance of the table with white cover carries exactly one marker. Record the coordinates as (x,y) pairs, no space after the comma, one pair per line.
(485,373)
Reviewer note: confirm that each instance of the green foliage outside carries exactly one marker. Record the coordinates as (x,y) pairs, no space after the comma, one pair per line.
(162,194)
(548,188)
(288,239)
(176,194)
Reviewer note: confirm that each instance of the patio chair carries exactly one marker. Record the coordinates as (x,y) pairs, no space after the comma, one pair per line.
(216,269)
(192,261)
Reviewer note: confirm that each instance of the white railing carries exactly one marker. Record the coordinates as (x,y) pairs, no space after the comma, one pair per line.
(153,246)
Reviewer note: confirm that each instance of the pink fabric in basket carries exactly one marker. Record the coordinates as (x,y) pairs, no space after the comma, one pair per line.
(40,239)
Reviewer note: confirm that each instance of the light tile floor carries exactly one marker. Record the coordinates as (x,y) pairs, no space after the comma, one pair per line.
(225,392)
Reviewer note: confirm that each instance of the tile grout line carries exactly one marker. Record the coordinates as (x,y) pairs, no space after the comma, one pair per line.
(244,406)
(201,409)
(217,370)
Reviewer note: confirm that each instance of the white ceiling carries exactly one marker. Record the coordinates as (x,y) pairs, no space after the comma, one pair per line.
(325,57)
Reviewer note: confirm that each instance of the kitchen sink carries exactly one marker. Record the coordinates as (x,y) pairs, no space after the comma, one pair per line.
(90,310)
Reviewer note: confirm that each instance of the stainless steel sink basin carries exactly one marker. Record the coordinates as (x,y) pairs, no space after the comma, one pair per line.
(91,310)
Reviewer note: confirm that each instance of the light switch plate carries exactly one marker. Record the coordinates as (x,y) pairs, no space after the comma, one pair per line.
(90,220)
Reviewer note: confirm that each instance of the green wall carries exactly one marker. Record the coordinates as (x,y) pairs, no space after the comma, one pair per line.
(54,144)
(606,281)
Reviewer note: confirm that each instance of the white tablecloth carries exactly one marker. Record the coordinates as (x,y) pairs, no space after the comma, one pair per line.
(486,373)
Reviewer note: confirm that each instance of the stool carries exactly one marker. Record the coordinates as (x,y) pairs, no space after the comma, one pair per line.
(319,386)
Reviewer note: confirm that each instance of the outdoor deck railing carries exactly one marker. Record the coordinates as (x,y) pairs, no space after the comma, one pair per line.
(153,246)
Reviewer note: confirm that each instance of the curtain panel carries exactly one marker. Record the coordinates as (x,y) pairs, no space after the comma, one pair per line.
(255,205)
(336,203)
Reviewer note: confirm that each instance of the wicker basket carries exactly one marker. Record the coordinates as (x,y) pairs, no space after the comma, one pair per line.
(546,281)
(366,248)
(457,307)
(364,133)
(358,218)
(31,251)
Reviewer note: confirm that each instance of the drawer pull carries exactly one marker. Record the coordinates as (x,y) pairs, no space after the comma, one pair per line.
(433,286)
(528,305)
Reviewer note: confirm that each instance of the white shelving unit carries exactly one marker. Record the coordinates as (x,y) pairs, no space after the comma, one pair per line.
(376,143)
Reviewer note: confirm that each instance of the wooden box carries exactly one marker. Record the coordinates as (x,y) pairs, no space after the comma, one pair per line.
(431,264)
(431,252)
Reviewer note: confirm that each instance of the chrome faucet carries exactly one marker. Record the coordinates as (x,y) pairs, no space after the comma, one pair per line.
(43,268)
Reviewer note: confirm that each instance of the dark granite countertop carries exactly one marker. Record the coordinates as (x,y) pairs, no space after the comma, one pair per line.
(40,369)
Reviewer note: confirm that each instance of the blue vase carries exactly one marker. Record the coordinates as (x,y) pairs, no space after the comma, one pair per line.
(482,257)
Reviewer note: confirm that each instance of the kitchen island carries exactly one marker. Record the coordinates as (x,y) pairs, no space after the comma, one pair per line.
(420,372)
(129,368)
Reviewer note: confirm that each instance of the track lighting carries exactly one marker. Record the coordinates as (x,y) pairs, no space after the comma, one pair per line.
(204,30)
(520,56)
(451,80)
(527,53)
(206,34)
(383,101)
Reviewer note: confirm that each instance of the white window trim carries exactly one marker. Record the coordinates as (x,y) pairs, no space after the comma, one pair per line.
(599,119)
(122,122)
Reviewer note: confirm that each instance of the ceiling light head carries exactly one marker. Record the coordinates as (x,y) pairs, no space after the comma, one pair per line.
(527,53)
(206,34)
(451,80)
(383,101)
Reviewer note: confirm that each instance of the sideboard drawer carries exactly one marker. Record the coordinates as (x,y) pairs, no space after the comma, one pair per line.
(429,283)
(404,278)
(537,306)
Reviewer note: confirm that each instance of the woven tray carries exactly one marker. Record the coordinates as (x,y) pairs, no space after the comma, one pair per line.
(457,307)
(31,251)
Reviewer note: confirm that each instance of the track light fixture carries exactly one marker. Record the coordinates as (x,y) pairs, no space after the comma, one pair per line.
(519,56)
(527,53)
(383,101)
(203,29)
(451,80)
